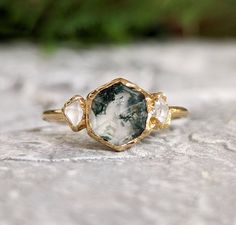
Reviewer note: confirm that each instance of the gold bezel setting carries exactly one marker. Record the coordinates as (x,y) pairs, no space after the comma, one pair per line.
(149,123)
(82,102)
(158,124)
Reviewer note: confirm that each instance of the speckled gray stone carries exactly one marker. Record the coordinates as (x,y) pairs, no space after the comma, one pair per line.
(183,175)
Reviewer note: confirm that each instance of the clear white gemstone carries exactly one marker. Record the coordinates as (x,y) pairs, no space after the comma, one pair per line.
(74,113)
(161,110)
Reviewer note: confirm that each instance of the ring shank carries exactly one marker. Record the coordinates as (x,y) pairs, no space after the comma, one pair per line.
(178,112)
(57,115)
(54,115)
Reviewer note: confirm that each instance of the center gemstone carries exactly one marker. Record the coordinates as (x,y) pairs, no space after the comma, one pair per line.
(118,114)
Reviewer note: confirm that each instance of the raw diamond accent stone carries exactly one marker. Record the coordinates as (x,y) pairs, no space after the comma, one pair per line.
(118,114)
(161,110)
(74,113)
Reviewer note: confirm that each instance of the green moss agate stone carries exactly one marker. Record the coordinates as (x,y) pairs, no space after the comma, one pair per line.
(118,114)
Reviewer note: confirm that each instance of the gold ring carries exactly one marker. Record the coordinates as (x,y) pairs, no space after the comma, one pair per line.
(118,114)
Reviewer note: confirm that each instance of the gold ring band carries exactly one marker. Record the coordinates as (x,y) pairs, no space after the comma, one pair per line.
(118,114)
(56,115)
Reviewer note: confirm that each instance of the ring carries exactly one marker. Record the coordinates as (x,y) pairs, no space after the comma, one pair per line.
(118,114)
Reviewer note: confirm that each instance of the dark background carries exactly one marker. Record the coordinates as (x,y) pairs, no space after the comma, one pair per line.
(85,22)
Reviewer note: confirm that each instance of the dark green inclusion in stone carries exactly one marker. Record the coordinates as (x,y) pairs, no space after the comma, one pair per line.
(119,114)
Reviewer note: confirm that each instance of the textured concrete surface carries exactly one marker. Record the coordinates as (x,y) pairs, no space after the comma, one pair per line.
(184,175)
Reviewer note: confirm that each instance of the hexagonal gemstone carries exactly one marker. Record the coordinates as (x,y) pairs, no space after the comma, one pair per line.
(161,110)
(118,114)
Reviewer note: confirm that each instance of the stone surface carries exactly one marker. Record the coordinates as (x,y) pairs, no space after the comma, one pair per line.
(184,175)
(118,114)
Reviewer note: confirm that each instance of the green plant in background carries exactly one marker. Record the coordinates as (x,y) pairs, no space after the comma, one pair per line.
(93,21)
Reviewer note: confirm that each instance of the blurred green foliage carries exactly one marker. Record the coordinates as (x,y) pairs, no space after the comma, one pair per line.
(93,21)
